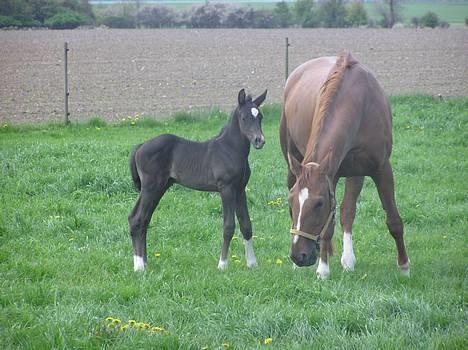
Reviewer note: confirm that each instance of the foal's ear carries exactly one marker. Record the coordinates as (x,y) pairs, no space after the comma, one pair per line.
(259,100)
(294,165)
(241,97)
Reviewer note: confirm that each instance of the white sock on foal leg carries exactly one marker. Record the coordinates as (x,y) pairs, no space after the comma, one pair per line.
(222,264)
(249,253)
(138,263)
(348,259)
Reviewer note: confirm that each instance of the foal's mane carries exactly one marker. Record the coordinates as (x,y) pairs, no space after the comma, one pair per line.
(326,96)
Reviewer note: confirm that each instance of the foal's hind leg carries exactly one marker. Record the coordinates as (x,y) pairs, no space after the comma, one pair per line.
(139,220)
(353,187)
(246,228)
(228,197)
(385,186)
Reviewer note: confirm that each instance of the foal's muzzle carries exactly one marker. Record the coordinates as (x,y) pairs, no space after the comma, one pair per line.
(258,141)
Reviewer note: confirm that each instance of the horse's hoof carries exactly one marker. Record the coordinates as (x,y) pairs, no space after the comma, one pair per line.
(405,269)
(138,263)
(252,264)
(323,271)
(222,265)
(348,262)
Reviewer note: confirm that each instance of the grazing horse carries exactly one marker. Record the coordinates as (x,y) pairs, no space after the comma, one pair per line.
(336,122)
(217,165)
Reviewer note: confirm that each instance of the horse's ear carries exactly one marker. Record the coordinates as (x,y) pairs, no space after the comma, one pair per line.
(241,97)
(294,165)
(259,100)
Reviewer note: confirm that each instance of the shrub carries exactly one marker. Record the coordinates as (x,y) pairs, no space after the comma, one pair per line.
(66,20)
(466,21)
(302,9)
(356,14)
(265,19)
(157,17)
(207,16)
(444,24)
(312,20)
(7,21)
(119,21)
(430,19)
(415,21)
(240,18)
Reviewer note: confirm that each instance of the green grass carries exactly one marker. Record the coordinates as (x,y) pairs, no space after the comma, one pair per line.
(66,256)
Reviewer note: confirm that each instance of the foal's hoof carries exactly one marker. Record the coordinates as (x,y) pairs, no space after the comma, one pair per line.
(405,269)
(222,265)
(138,263)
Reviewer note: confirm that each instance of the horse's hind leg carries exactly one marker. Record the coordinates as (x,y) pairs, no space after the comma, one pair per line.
(353,187)
(385,186)
(228,198)
(246,228)
(139,220)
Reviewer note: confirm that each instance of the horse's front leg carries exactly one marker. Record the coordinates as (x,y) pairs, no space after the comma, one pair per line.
(246,228)
(228,198)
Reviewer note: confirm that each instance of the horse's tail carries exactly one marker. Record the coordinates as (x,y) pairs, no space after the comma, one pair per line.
(133,169)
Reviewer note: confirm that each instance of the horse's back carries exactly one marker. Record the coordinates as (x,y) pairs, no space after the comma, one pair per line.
(301,94)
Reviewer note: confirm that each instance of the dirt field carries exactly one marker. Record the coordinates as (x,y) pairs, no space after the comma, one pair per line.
(116,73)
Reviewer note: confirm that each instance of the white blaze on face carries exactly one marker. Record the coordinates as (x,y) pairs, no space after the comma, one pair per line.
(138,263)
(254,112)
(303,195)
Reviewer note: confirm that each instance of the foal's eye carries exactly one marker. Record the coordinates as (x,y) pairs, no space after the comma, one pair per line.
(318,205)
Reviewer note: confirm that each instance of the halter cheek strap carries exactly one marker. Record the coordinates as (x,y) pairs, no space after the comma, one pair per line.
(317,237)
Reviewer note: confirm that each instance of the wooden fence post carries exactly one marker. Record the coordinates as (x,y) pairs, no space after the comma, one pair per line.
(67,114)
(287,59)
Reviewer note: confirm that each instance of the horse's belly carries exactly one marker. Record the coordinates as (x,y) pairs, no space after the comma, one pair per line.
(357,163)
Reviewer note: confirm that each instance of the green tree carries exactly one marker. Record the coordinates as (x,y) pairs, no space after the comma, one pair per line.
(389,11)
(356,14)
(430,19)
(332,14)
(283,14)
(302,8)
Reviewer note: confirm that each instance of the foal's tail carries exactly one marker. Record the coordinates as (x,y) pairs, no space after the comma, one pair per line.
(133,169)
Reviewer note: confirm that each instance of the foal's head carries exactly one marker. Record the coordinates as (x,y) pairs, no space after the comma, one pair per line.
(312,204)
(250,118)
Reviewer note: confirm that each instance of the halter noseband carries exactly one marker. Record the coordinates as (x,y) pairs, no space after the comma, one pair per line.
(317,237)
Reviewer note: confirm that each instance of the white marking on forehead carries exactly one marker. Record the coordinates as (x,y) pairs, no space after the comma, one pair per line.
(254,112)
(303,195)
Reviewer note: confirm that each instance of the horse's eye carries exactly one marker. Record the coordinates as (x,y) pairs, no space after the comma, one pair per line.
(318,205)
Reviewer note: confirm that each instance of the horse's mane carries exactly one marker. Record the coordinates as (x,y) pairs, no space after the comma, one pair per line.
(325,98)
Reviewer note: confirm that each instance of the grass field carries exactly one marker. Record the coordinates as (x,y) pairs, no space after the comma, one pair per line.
(66,256)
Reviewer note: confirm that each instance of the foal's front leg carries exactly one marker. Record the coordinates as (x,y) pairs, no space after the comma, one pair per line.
(228,197)
(246,228)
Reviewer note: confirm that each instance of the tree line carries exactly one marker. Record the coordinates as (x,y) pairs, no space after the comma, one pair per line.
(69,14)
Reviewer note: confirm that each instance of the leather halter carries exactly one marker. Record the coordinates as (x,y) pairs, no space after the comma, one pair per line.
(317,237)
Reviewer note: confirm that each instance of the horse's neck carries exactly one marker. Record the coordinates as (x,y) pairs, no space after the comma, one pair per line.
(233,137)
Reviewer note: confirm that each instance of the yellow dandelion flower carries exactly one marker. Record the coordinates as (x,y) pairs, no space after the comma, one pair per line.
(132,122)
(205,348)
(254,236)
(157,329)
(123,119)
(225,345)
(110,325)
(234,257)
(116,321)
(267,341)
(132,322)
(157,254)
(129,117)
(109,318)
(137,117)
(237,261)
(98,128)
(279,261)
(146,325)
(124,327)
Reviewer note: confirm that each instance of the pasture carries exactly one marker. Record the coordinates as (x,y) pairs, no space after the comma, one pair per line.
(67,278)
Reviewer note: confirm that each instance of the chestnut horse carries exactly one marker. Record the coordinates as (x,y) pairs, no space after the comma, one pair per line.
(336,122)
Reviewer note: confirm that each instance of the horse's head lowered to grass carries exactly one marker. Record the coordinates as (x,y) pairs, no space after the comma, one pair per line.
(312,203)
(250,118)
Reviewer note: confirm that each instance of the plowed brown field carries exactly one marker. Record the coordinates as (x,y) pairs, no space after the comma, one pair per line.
(116,73)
